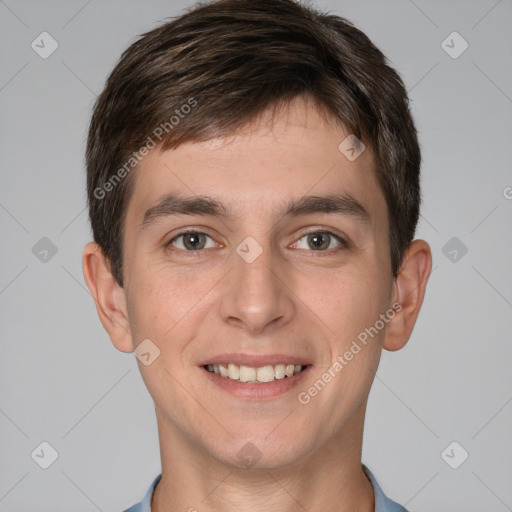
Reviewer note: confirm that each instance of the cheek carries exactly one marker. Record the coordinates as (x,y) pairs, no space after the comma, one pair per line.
(158,300)
(350,307)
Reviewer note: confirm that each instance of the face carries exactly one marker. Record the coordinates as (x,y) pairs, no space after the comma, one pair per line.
(230,259)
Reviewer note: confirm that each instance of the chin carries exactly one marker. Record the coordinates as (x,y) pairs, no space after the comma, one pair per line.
(260,453)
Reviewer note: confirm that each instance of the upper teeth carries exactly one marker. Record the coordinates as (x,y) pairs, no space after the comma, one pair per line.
(251,374)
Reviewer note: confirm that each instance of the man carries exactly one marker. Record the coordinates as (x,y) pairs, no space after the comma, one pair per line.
(253,186)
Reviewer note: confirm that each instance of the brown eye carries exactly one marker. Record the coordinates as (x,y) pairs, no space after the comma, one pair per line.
(191,241)
(319,241)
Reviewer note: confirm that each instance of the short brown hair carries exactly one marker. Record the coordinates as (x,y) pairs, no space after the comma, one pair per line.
(227,61)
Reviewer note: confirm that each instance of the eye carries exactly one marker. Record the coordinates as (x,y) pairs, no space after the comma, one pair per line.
(319,241)
(192,241)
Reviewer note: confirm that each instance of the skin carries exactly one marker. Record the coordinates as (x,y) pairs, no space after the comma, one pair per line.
(293,299)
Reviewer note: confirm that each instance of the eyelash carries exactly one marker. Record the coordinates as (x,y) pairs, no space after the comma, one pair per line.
(343,244)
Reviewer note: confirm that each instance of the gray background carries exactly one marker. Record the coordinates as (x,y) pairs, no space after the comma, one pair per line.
(63,382)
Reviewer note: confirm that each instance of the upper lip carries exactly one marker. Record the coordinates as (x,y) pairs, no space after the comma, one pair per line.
(255,360)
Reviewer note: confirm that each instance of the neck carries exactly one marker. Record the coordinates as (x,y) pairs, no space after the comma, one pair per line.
(331,478)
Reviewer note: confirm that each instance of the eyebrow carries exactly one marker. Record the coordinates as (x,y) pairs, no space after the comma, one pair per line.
(173,204)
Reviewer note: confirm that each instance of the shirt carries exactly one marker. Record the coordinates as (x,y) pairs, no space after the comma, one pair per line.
(382,504)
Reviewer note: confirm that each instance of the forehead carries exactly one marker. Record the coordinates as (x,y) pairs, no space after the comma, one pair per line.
(256,171)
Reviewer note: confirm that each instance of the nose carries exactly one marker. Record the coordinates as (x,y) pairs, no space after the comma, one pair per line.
(257,296)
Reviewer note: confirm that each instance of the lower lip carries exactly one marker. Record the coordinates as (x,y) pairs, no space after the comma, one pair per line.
(257,391)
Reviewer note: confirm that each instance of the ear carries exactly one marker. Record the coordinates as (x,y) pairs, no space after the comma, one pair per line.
(409,290)
(108,295)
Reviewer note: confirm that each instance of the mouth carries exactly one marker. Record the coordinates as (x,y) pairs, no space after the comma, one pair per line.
(256,377)
(255,374)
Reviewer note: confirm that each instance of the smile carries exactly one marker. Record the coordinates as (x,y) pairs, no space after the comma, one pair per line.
(255,375)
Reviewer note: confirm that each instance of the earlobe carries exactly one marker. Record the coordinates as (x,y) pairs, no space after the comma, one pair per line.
(108,296)
(410,286)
